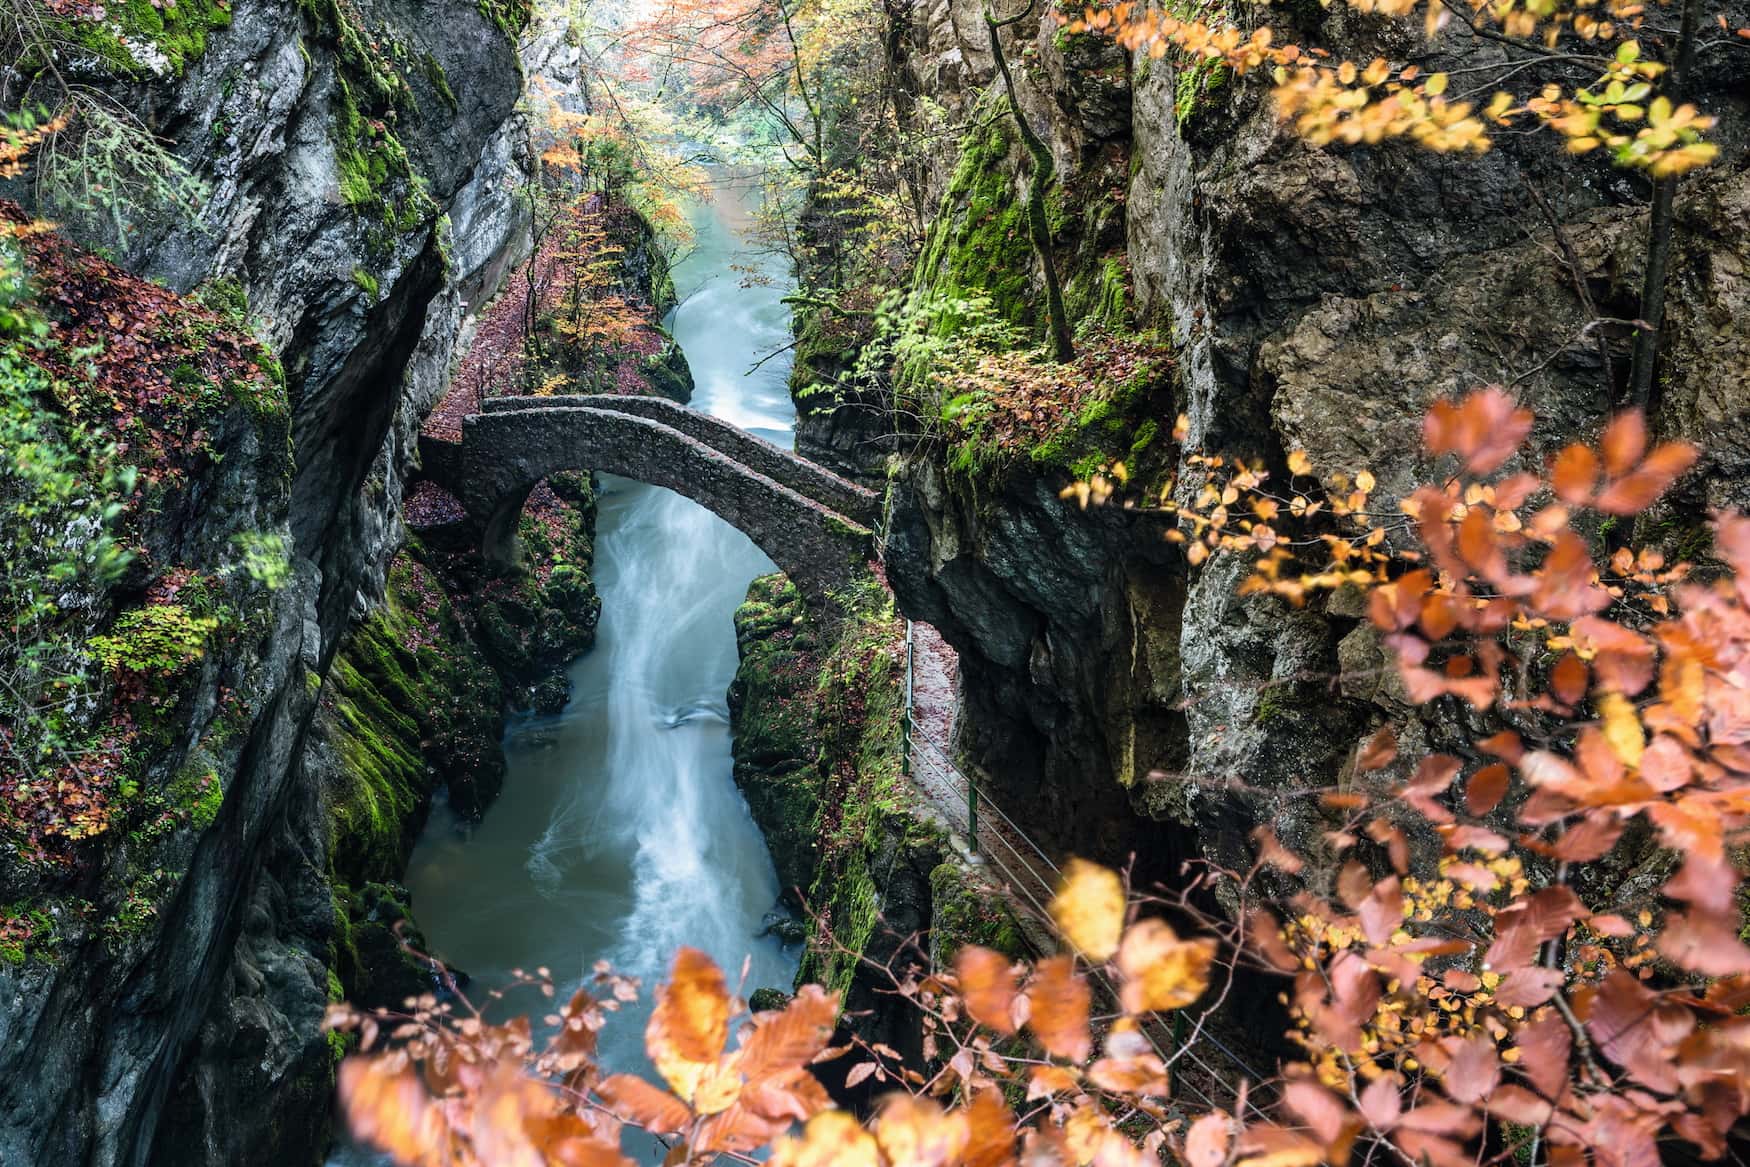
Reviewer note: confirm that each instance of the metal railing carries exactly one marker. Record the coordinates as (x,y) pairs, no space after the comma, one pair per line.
(1031,880)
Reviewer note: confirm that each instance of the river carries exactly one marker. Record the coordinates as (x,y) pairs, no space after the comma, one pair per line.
(620,834)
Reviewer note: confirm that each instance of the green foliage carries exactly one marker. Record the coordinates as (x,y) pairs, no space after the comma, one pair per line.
(265,557)
(61,495)
(367,283)
(106,172)
(158,638)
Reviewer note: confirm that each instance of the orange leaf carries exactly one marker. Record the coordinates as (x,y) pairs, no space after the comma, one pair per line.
(1059,998)
(1486,788)
(987,986)
(389,1109)
(832,1139)
(990,1130)
(1638,491)
(918,1133)
(1143,1074)
(640,1103)
(1272,853)
(1161,971)
(1262,1146)
(1568,679)
(1575,474)
(1207,1141)
(1379,751)
(793,1038)
(1623,443)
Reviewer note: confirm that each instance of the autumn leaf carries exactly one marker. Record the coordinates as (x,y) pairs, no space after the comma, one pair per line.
(1207,1140)
(1058,1001)
(690,1024)
(1622,728)
(1485,789)
(387,1107)
(831,1139)
(988,987)
(637,1101)
(1089,908)
(919,1133)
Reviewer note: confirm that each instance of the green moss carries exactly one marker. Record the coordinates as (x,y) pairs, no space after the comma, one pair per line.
(978,244)
(28,931)
(367,283)
(968,912)
(382,788)
(440,81)
(510,17)
(370,94)
(1193,85)
(197,790)
(134,36)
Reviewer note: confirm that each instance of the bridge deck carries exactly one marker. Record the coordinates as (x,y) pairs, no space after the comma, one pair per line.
(505,452)
(807,478)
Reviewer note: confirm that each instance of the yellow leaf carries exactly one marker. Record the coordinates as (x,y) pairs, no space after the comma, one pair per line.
(917,1133)
(690,1023)
(1622,728)
(1299,463)
(1089,909)
(831,1139)
(1161,971)
(1435,85)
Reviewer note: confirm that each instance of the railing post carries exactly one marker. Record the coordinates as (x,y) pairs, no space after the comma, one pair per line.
(972,815)
(905,719)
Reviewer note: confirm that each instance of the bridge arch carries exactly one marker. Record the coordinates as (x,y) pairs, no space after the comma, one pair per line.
(506,451)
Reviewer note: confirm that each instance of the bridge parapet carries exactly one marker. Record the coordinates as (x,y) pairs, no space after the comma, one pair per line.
(810,479)
(506,452)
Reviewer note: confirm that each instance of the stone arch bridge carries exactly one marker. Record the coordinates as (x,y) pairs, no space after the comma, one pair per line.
(813,524)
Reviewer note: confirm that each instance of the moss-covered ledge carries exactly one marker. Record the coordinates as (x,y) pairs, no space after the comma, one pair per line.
(410,707)
(817,716)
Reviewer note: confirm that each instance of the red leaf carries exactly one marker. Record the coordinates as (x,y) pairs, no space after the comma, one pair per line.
(1474,1070)
(1486,788)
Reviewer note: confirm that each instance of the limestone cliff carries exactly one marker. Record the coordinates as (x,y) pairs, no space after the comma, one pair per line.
(1308,298)
(872,869)
(357,156)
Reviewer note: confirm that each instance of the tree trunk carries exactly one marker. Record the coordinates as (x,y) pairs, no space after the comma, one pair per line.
(1659,230)
(1038,225)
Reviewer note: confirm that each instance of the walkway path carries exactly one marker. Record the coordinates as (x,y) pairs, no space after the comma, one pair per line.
(1022,872)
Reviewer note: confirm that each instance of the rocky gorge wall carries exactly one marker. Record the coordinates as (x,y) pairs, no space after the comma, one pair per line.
(358,157)
(868,869)
(1119,698)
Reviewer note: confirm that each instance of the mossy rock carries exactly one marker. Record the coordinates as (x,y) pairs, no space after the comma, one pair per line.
(377,961)
(967,911)
(978,244)
(161,39)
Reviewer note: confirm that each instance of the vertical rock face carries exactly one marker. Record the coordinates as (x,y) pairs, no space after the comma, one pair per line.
(360,239)
(1315,299)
